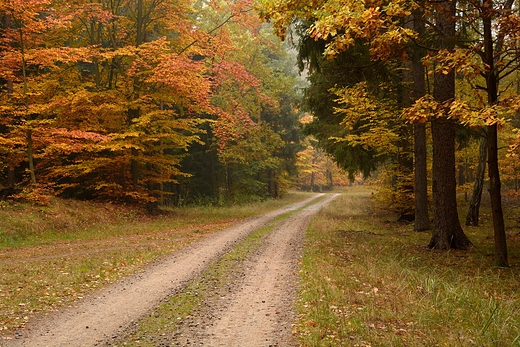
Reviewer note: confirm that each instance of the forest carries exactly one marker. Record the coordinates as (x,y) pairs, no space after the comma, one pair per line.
(178,149)
(160,102)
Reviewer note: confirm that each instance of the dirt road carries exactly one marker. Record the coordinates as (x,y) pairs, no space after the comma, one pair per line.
(251,315)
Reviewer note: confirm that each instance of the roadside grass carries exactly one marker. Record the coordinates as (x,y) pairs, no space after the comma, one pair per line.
(29,225)
(367,280)
(51,256)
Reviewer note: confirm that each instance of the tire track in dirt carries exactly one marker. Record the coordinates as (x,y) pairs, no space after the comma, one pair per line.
(107,313)
(261,313)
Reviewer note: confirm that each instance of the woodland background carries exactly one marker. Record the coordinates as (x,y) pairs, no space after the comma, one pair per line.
(159,102)
(145,101)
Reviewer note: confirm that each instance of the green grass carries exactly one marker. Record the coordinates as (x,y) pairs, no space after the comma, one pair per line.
(53,255)
(367,280)
(24,225)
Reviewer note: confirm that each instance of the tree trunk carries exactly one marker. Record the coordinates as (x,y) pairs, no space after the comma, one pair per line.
(462,177)
(405,170)
(494,175)
(496,199)
(134,113)
(447,231)
(422,220)
(10,168)
(30,151)
(474,205)
(10,177)
(30,156)
(213,173)
(405,163)
(140,24)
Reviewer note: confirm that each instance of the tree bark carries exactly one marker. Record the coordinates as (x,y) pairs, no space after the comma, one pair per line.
(11,179)
(474,205)
(405,163)
(422,219)
(494,175)
(496,199)
(447,231)
(30,156)
(30,151)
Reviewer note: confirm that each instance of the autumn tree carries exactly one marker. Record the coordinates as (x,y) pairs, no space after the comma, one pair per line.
(121,90)
(31,52)
(319,99)
(487,60)
(447,231)
(316,171)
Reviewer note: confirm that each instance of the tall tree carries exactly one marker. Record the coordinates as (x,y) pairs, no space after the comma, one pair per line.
(492,79)
(422,219)
(447,231)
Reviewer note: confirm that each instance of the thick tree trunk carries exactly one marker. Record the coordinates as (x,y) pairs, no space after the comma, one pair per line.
(447,231)
(474,205)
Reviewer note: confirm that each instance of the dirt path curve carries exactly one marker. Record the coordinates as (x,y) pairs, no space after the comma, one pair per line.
(108,312)
(260,313)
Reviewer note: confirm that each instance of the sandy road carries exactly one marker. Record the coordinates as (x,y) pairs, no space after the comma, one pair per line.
(258,313)
(110,311)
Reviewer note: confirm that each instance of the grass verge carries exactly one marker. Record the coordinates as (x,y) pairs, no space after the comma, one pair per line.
(51,256)
(369,281)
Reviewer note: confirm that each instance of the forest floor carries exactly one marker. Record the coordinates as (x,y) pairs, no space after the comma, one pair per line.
(235,287)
